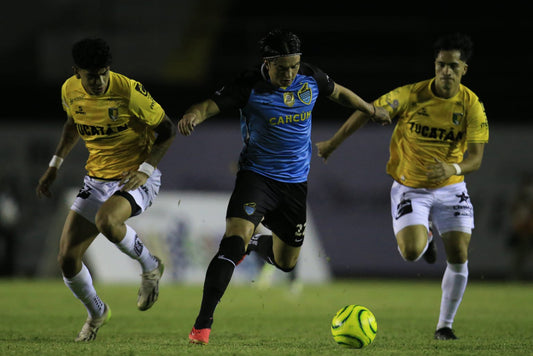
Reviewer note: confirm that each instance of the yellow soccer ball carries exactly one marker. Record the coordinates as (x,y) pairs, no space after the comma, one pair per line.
(354,326)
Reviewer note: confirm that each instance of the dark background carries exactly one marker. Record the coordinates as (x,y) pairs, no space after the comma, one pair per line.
(184,50)
(371,47)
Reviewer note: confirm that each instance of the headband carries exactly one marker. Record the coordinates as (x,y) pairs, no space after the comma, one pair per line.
(282,55)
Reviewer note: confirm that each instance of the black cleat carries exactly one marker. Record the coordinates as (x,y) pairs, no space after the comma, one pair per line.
(445,334)
(431,253)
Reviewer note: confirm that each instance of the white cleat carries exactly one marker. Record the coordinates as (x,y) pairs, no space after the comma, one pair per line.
(91,326)
(149,290)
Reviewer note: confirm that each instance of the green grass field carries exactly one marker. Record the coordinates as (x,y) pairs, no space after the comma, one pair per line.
(43,318)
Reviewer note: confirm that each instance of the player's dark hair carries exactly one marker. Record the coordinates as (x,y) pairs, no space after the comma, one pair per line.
(454,41)
(91,54)
(279,42)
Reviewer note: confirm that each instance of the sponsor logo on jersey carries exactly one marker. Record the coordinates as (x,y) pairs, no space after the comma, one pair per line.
(90,130)
(422,112)
(435,132)
(140,88)
(288,119)
(305,94)
(79,110)
(394,104)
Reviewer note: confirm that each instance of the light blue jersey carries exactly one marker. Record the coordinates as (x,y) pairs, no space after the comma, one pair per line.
(276,122)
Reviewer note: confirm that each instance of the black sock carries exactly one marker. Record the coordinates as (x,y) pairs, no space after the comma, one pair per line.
(217,278)
(262,245)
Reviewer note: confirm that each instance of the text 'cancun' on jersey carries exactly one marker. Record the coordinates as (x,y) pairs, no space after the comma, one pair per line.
(117,127)
(276,122)
(431,128)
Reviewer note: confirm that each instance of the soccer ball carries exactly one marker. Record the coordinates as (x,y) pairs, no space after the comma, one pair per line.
(354,326)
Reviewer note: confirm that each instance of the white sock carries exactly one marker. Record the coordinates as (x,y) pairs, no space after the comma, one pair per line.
(453,288)
(132,246)
(82,287)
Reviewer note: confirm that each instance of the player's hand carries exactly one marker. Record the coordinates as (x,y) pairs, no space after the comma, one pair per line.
(132,180)
(43,187)
(325,149)
(381,116)
(187,123)
(439,171)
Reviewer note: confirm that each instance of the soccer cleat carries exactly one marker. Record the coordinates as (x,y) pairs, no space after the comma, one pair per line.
(91,326)
(149,290)
(199,336)
(431,253)
(445,334)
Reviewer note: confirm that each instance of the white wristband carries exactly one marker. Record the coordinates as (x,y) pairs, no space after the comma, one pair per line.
(146,168)
(56,162)
(458,170)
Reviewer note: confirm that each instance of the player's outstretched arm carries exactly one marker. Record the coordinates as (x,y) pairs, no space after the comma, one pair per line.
(195,115)
(352,124)
(346,97)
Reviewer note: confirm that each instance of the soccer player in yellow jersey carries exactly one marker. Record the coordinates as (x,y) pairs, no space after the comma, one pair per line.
(439,120)
(126,133)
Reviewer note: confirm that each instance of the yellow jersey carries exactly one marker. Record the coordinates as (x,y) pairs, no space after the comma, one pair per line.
(430,128)
(117,127)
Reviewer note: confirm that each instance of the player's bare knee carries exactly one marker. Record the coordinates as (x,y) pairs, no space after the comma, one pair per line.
(410,253)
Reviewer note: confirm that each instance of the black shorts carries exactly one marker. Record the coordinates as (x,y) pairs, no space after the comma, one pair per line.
(281,207)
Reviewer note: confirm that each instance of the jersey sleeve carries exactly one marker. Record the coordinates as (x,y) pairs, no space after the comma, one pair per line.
(144,106)
(395,101)
(235,94)
(325,83)
(477,124)
(64,99)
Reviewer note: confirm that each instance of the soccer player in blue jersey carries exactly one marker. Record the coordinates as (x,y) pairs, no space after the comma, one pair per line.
(275,100)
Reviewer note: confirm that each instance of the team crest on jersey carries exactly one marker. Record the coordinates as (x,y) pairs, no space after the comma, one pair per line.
(113,113)
(305,94)
(288,98)
(457,117)
(249,208)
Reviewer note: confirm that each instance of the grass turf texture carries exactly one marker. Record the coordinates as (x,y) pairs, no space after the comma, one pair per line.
(43,318)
